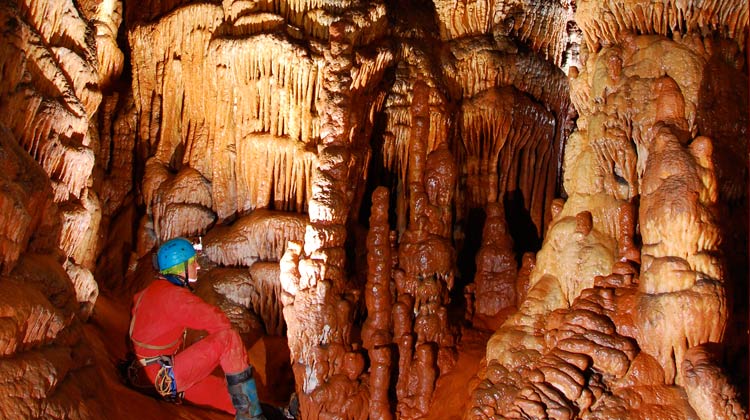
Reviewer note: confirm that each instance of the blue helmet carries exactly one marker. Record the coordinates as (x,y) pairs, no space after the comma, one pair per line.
(173,254)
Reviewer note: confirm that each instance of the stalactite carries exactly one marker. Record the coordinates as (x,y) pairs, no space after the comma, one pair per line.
(498,126)
(605,21)
(273,171)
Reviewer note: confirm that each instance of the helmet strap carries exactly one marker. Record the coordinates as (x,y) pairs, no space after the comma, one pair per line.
(175,279)
(186,279)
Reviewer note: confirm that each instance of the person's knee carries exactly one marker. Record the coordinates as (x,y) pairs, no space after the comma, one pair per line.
(230,338)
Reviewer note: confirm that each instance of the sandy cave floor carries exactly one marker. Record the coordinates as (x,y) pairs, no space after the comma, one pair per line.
(107,333)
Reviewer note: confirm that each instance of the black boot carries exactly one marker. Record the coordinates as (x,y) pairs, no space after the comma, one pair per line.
(245,395)
(291,411)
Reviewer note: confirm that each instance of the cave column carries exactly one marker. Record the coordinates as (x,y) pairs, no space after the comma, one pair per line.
(318,298)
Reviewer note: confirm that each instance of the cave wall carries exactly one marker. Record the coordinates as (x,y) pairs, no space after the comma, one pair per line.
(52,210)
(576,171)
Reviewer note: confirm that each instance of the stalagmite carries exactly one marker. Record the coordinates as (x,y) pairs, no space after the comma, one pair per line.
(423,279)
(495,281)
(377,329)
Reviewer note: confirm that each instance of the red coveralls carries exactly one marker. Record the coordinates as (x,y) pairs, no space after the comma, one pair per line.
(162,315)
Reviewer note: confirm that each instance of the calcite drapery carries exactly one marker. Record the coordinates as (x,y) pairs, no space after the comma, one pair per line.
(260,236)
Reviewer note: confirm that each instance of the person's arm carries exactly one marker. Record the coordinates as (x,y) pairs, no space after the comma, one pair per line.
(196,314)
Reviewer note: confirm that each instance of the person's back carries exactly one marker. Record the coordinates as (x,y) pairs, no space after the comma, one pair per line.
(153,325)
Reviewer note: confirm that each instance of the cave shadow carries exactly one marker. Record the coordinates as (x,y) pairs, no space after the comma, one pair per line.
(722,115)
(520,225)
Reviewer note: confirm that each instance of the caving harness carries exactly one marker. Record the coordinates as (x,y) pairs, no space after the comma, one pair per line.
(164,383)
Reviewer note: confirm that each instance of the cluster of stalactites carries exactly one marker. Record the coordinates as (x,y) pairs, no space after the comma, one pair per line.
(277,89)
(267,136)
(396,149)
(508,145)
(605,22)
(308,19)
(480,63)
(543,25)
(262,124)
(514,111)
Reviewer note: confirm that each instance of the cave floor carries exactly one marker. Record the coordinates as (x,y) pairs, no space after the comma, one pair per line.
(107,333)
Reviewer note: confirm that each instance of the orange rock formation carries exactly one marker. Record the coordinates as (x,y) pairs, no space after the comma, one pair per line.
(378,188)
